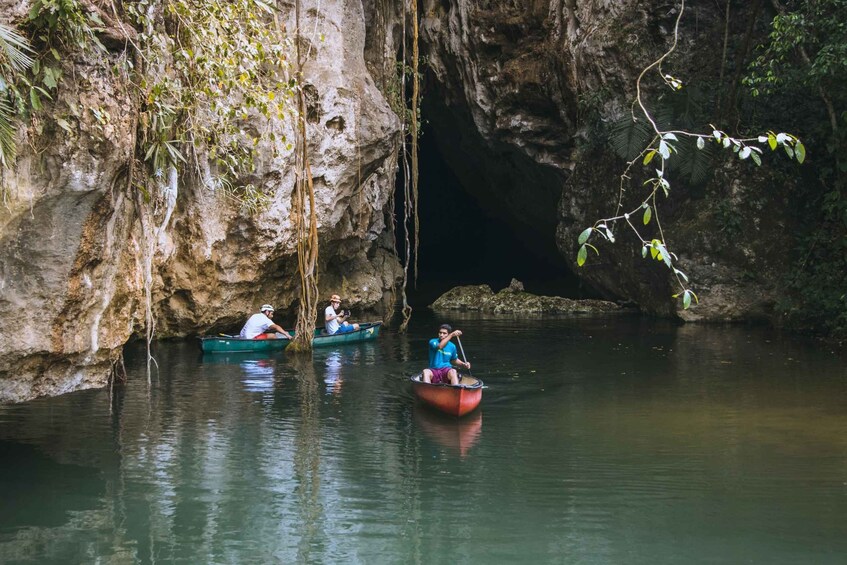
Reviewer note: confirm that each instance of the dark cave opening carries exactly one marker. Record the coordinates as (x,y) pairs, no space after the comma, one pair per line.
(463,241)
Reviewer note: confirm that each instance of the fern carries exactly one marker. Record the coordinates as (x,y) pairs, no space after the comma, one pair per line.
(628,137)
(695,166)
(14,59)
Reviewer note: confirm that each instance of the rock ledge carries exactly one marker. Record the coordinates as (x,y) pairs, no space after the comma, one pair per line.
(509,301)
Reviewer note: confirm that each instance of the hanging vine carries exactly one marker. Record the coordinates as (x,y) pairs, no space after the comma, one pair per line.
(305,226)
(410,170)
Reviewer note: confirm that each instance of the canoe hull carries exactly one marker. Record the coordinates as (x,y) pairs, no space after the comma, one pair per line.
(225,344)
(366,332)
(454,400)
(241,345)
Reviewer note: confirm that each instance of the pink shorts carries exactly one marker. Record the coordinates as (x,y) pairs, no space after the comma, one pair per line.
(441,375)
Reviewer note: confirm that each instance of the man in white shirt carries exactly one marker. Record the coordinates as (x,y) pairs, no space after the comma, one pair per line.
(336,320)
(258,325)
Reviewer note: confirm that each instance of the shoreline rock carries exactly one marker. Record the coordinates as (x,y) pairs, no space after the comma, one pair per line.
(481,298)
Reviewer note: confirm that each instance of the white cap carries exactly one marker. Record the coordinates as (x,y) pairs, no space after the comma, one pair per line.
(266,307)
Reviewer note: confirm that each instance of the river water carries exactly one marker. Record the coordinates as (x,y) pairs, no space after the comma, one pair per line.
(598,440)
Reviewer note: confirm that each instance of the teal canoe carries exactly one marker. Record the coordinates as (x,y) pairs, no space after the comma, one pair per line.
(366,332)
(231,344)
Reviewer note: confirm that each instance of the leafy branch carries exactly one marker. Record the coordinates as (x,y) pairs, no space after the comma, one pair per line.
(664,146)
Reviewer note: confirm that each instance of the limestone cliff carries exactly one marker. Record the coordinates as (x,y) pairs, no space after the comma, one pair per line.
(72,244)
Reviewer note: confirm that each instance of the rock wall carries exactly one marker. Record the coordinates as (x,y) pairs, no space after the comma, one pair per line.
(72,244)
(517,92)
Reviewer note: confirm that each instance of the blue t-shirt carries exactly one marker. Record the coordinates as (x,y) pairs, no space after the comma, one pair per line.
(440,358)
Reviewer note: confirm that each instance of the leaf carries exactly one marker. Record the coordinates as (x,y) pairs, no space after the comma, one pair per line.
(664,255)
(744,153)
(756,159)
(686,300)
(643,251)
(700,143)
(670,137)
(583,237)
(800,152)
(34,99)
(772,141)
(664,150)
(648,213)
(64,125)
(649,157)
(581,256)
(788,151)
(48,80)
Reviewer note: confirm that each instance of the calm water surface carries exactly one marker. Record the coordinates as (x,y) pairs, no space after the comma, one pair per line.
(613,440)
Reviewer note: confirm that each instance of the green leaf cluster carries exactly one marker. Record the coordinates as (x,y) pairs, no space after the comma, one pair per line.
(800,73)
(15,58)
(228,66)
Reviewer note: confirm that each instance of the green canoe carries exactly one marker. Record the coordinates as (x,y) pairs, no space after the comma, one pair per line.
(232,344)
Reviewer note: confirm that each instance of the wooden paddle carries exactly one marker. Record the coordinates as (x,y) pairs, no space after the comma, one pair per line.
(465,359)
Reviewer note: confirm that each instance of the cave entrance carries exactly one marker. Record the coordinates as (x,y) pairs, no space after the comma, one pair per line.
(466,235)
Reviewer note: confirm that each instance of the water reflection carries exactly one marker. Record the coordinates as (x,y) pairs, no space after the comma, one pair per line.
(333,377)
(307,462)
(258,375)
(458,435)
(606,441)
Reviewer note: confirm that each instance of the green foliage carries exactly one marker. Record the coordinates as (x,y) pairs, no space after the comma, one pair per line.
(29,74)
(211,66)
(819,27)
(15,59)
(800,73)
(64,23)
(662,147)
(397,97)
(57,26)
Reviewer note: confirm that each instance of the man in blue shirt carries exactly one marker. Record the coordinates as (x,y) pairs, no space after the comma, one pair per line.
(443,358)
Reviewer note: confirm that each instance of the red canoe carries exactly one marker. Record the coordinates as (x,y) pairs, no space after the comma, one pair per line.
(456,400)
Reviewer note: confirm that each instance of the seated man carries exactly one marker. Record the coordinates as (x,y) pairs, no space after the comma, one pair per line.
(443,357)
(336,318)
(258,325)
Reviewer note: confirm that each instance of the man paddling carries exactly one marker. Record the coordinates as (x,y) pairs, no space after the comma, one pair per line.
(443,357)
(258,325)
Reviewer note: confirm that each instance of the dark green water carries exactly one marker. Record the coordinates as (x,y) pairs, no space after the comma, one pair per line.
(598,441)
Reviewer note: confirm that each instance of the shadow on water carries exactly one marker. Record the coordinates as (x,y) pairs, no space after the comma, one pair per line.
(44,493)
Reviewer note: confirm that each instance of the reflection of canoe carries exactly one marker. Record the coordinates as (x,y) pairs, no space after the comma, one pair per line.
(229,344)
(234,358)
(456,400)
(455,434)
